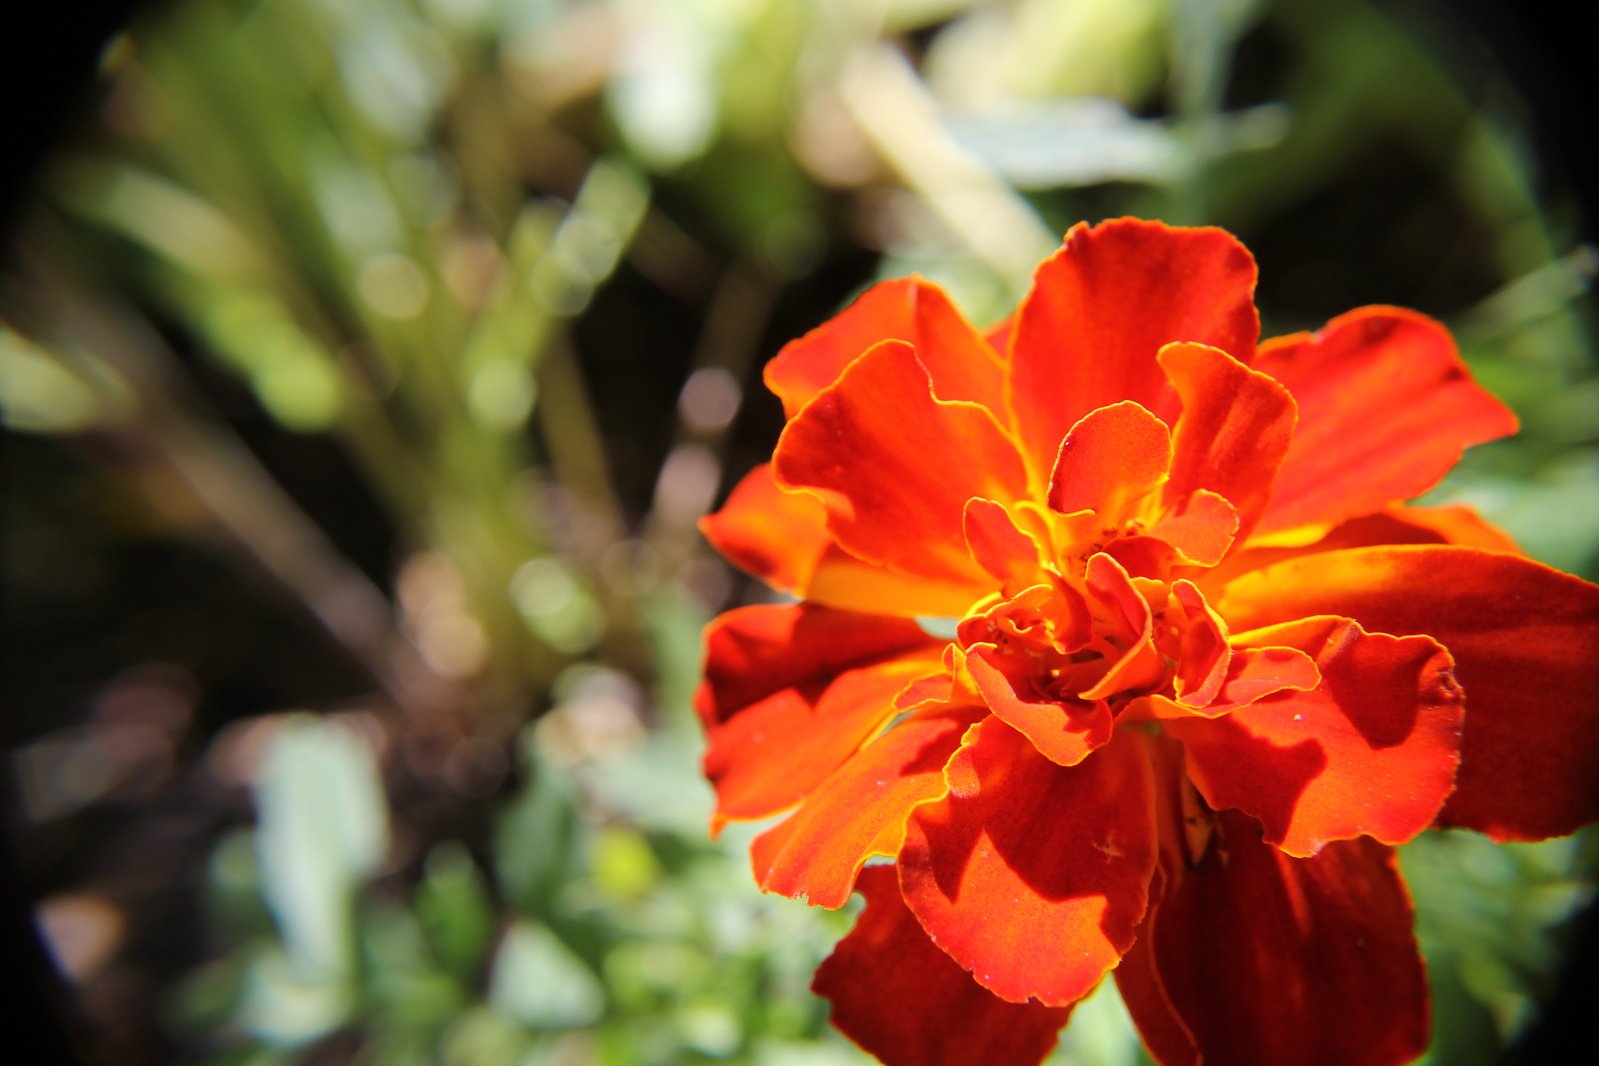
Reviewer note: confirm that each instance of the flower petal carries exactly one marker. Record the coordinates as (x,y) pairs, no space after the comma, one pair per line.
(860,810)
(899,997)
(1030,874)
(1370,750)
(1234,430)
(782,538)
(1112,458)
(1202,530)
(1385,409)
(1253,957)
(1102,306)
(1122,614)
(998,335)
(1063,733)
(1524,638)
(1009,554)
(894,466)
(960,362)
(1454,524)
(1252,674)
(1204,655)
(778,536)
(790,692)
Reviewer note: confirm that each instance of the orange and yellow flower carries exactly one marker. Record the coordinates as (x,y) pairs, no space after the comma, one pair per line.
(1207,670)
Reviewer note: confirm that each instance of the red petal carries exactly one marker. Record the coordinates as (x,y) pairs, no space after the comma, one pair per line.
(1009,554)
(1205,655)
(790,692)
(1233,432)
(896,995)
(895,467)
(841,580)
(1112,458)
(1255,673)
(1253,957)
(1123,615)
(1455,524)
(1252,674)
(959,360)
(1371,750)
(1062,733)
(782,538)
(998,335)
(777,536)
(1169,1041)
(1102,306)
(1143,556)
(1202,530)
(1030,874)
(1524,638)
(860,810)
(1385,408)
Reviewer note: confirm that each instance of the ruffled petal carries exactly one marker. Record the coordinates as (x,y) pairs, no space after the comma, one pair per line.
(1255,673)
(1234,430)
(790,692)
(1455,524)
(1169,1041)
(859,810)
(960,362)
(1385,409)
(1524,638)
(1030,874)
(1104,304)
(1112,458)
(1204,656)
(1121,614)
(1009,554)
(894,466)
(1064,733)
(1370,750)
(1252,674)
(896,995)
(998,336)
(780,537)
(1252,957)
(1202,530)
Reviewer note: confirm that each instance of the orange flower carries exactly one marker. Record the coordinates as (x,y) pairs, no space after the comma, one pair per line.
(1207,669)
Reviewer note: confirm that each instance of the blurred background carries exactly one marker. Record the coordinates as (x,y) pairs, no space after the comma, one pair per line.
(365,364)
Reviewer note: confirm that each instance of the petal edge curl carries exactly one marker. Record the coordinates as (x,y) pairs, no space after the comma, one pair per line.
(790,692)
(876,448)
(896,995)
(1255,958)
(1102,306)
(1386,407)
(1524,638)
(859,810)
(1371,750)
(1032,903)
(961,362)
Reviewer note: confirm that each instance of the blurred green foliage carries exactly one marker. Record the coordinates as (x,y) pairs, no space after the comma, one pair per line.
(520,262)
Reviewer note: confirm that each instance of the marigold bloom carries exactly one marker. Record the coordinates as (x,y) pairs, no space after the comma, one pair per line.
(1208,669)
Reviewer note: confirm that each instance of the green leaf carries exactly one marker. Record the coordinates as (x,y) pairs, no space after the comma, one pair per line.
(323,831)
(403,981)
(284,1008)
(537,846)
(455,910)
(539,982)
